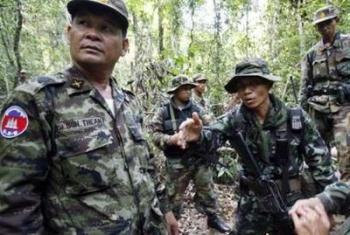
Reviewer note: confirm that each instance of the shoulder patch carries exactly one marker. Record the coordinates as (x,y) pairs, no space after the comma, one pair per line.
(14,122)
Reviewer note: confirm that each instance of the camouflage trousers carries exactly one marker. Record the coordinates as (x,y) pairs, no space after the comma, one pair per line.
(179,176)
(251,221)
(335,130)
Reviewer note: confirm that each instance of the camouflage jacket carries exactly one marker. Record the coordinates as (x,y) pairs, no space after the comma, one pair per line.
(162,126)
(324,70)
(205,105)
(201,101)
(335,198)
(304,145)
(77,168)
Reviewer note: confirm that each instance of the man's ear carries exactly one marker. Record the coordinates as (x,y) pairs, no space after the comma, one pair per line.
(125,46)
(67,32)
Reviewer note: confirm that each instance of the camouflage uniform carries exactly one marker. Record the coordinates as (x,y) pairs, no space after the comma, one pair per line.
(77,169)
(183,165)
(201,101)
(325,89)
(304,144)
(335,198)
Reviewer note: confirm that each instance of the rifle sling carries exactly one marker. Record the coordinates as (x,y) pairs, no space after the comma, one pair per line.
(173,120)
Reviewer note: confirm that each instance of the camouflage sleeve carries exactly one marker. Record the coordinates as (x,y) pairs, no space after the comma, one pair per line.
(153,170)
(205,116)
(215,135)
(306,75)
(23,170)
(316,154)
(157,131)
(336,198)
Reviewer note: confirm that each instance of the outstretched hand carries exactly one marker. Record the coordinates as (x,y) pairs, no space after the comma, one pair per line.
(191,128)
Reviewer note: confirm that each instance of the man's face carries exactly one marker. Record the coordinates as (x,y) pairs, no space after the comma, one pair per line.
(96,39)
(201,86)
(327,28)
(253,92)
(183,94)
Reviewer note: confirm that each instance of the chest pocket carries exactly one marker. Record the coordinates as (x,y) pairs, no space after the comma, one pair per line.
(86,160)
(343,63)
(319,67)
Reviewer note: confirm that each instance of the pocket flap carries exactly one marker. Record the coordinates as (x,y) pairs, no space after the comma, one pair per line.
(76,144)
(319,61)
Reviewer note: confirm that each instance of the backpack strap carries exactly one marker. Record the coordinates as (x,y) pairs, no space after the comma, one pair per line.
(172,116)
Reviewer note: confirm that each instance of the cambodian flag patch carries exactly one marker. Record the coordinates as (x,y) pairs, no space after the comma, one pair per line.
(14,122)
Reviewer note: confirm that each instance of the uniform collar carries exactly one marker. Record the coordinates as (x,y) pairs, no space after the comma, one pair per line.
(186,106)
(77,83)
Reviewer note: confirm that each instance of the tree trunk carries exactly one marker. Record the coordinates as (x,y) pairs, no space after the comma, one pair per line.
(16,41)
(160,32)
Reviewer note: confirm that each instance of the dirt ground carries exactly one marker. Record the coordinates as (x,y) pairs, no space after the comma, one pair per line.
(194,223)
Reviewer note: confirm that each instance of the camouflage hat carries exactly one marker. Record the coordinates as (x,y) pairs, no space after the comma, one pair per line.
(180,81)
(199,77)
(116,6)
(250,68)
(325,13)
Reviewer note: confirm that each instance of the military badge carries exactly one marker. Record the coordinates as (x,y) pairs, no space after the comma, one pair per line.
(14,122)
(322,15)
(77,84)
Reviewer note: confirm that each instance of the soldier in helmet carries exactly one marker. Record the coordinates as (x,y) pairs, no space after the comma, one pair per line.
(325,86)
(183,165)
(272,142)
(73,157)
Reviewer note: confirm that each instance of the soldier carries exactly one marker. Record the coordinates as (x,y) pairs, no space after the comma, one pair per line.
(325,87)
(272,141)
(198,96)
(73,158)
(198,92)
(184,165)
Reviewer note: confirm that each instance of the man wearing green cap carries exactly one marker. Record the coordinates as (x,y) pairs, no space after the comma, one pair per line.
(183,164)
(325,86)
(73,158)
(272,141)
(198,95)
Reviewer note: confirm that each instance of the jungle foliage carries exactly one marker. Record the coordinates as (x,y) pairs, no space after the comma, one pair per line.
(169,37)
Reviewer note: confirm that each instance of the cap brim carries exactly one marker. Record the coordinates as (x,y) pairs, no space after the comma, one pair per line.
(74,5)
(182,85)
(201,79)
(231,86)
(323,19)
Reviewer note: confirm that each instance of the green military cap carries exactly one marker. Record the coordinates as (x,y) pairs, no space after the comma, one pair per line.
(180,81)
(250,68)
(117,7)
(325,13)
(199,77)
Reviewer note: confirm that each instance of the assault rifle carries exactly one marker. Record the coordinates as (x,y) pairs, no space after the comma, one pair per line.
(271,199)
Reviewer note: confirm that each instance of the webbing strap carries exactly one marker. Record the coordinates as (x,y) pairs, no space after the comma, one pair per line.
(173,120)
